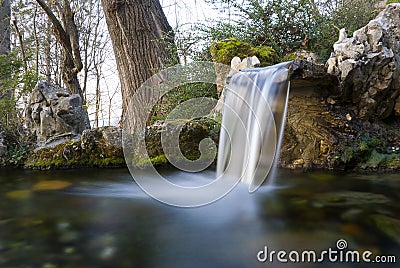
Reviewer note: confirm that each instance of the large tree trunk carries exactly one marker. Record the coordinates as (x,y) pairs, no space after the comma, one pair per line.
(142,41)
(5,19)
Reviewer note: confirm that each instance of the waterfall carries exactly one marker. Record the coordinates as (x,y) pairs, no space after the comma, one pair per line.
(253,122)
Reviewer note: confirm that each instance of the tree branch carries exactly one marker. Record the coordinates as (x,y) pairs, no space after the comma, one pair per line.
(73,36)
(21,43)
(61,34)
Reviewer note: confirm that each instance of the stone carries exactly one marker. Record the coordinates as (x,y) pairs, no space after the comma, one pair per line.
(310,74)
(306,55)
(54,115)
(368,66)
(108,138)
(100,147)
(189,135)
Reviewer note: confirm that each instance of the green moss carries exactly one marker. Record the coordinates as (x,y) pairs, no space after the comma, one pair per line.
(191,134)
(365,152)
(178,95)
(290,57)
(159,160)
(107,162)
(71,155)
(374,160)
(392,1)
(348,154)
(384,161)
(391,162)
(224,51)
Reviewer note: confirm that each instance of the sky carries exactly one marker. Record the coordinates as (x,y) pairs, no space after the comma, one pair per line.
(180,12)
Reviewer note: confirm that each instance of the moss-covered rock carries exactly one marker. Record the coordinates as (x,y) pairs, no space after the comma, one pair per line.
(102,147)
(191,133)
(97,148)
(324,134)
(224,51)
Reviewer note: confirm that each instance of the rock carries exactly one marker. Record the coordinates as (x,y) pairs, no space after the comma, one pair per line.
(106,139)
(309,74)
(335,112)
(101,147)
(306,55)
(368,66)
(190,135)
(54,115)
(311,128)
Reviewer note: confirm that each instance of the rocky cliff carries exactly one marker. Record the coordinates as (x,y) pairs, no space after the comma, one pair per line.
(355,123)
(368,67)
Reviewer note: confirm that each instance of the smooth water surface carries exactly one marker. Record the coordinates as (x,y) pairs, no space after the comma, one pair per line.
(101,218)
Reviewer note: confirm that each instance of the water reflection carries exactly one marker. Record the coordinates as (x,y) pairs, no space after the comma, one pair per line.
(104,220)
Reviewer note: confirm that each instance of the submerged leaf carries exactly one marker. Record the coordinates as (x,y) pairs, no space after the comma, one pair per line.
(19,194)
(51,185)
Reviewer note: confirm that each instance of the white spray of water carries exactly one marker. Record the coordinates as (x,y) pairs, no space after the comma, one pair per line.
(253,123)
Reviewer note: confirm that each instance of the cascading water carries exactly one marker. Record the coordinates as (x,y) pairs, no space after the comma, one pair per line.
(253,123)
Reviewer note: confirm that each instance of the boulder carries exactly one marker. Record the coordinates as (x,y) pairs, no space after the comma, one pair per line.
(106,140)
(54,115)
(368,66)
(100,147)
(188,134)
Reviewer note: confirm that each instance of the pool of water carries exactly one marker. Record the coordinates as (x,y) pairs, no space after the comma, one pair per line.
(101,218)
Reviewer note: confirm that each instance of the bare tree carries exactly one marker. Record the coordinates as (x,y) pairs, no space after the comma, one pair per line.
(67,35)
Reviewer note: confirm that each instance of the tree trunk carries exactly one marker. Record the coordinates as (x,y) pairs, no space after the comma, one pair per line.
(21,44)
(68,37)
(5,20)
(142,41)
(5,38)
(47,52)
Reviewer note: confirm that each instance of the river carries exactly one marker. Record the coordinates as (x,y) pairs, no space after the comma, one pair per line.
(101,218)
